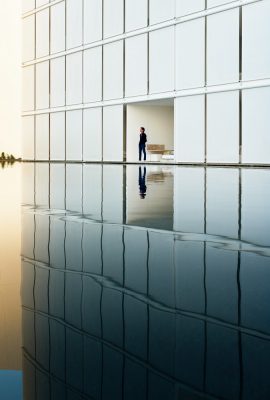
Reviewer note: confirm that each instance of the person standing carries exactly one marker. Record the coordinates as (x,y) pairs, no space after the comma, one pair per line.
(142,143)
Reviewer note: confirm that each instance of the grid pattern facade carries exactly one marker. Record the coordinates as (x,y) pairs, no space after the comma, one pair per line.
(98,323)
(84,60)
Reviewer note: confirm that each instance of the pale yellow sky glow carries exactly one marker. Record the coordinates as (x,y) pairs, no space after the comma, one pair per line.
(10,82)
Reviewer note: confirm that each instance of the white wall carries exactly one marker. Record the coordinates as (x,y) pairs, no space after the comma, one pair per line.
(10,76)
(158,123)
(179,61)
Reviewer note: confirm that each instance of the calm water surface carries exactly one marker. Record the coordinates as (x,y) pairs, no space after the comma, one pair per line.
(144,283)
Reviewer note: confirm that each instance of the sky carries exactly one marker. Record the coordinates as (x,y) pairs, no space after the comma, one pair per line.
(10,82)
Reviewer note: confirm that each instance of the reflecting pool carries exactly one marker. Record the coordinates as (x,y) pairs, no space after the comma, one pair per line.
(145,282)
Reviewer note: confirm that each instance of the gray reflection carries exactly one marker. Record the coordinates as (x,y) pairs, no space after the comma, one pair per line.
(124,311)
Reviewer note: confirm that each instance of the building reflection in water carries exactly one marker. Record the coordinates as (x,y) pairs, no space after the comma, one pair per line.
(114,310)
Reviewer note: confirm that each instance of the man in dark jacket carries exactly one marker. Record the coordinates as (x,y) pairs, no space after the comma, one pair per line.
(142,142)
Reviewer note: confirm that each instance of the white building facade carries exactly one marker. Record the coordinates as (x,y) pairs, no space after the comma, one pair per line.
(93,68)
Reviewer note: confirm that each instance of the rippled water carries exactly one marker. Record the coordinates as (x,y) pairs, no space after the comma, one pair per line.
(145,282)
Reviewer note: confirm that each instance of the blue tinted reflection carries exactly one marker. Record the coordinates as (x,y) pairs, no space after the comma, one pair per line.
(150,283)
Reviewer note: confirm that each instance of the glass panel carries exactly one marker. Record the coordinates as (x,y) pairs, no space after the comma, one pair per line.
(58,83)
(28,83)
(28,5)
(92,134)
(58,27)
(28,51)
(74,78)
(28,138)
(161,60)
(136,73)
(161,10)
(215,3)
(57,136)
(189,130)
(42,184)
(256,30)
(184,7)
(42,137)
(136,14)
(74,23)
(92,75)
(40,3)
(190,54)
(113,15)
(57,186)
(42,85)
(223,127)
(92,20)
(113,71)
(113,124)
(42,33)
(223,47)
(256,126)
(74,135)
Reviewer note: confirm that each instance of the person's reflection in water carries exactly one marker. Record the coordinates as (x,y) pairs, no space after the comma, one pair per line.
(142,185)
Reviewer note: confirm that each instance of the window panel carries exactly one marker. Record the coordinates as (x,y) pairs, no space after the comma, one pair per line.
(223,47)
(92,134)
(113,124)
(42,85)
(113,15)
(256,126)
(57,75)
(74,135)
(190,54)
(136,65)
(42,33)
(28,50)
(161,60)
(28,135)
(58,22)
(184,7)
(74,78)
(113,71)
(28,5)
(28,77)
(40,3)
(42,137)
(223,127)
(92,77)
(136,14)
(57,136)
(215,3)
(256,30)
(92,20)
(161,10)
(74,23)
(189,132)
